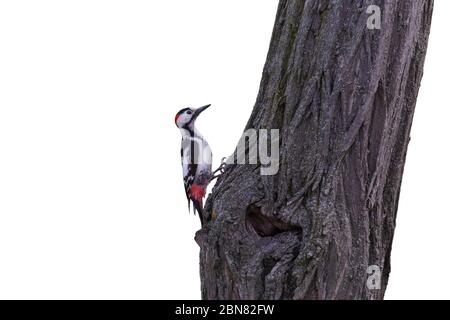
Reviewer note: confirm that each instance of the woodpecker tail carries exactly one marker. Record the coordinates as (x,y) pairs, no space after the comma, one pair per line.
(198,206)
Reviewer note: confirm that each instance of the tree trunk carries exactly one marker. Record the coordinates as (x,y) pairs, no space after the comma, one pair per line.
(343,97)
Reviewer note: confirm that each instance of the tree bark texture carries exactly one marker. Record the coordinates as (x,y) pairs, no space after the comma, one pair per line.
(343,97)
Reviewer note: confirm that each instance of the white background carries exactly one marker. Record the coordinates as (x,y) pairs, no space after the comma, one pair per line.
(91,198)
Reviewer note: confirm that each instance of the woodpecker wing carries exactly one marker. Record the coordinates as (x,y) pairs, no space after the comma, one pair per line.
(189,163)
(189,177)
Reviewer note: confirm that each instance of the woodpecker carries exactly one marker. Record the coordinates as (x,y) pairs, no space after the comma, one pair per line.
(196,158)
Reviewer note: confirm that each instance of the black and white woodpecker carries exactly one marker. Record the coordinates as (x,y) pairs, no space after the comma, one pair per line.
(196,158)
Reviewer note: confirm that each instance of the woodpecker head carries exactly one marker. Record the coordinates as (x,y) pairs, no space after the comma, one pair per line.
(185,118)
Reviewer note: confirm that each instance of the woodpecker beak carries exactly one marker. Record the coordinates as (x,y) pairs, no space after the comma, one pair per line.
(200,110)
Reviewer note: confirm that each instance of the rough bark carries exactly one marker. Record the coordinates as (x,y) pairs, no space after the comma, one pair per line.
(343,97)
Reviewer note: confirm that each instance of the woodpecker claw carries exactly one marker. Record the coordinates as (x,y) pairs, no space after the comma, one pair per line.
(221,168)
(223,164)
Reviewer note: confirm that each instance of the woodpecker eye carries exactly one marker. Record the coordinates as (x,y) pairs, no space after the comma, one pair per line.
(189,112)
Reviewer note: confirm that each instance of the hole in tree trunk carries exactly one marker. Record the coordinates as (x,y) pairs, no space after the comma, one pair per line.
(265,226)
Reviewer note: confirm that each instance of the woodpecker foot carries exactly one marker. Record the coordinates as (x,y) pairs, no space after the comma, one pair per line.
(222,166)
(220,169)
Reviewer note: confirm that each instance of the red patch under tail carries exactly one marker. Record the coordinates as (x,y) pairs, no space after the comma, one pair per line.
(197,194)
